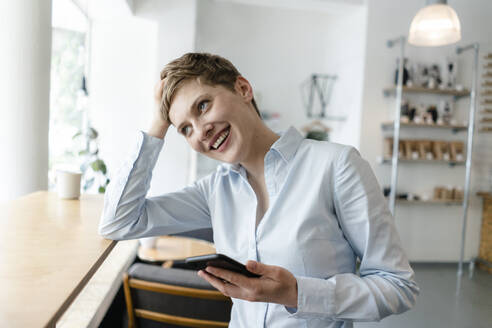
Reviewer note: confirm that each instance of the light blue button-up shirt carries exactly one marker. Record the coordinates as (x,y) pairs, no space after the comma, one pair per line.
(326,209)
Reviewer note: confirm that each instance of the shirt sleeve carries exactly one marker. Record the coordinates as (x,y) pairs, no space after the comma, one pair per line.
(128,214)
(386,283)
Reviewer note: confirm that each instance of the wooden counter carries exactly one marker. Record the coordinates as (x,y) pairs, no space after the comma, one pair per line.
(49,249)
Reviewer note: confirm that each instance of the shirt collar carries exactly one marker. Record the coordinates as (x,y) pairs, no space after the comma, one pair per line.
(286,146)
(288,143)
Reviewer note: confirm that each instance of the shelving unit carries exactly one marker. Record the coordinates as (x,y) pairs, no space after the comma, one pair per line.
(430,202)
(387,160)
(397,126)
(484,258)
(387,126)
(486,97)
(485,129)
(399,90)
(444,92)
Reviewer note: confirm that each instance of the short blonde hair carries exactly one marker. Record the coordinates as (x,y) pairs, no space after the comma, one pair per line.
(206,68)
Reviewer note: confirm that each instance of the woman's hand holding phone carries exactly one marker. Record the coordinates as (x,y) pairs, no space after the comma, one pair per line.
(275,284)
(159,125)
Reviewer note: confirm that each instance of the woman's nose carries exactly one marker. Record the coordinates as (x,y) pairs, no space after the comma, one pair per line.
(206,131)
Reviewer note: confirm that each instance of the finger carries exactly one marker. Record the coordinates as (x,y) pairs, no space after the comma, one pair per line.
(224,287)
(240,286)
(214,281)
(230,276)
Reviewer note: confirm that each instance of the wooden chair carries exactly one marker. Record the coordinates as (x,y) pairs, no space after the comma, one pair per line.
(168,297)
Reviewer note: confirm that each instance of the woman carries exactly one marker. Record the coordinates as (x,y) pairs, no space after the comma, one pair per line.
(299,212)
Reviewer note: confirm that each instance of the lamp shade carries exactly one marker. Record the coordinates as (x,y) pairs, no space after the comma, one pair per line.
(435,25)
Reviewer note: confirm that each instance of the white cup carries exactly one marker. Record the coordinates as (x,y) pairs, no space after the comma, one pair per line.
(149,242)
(68,184)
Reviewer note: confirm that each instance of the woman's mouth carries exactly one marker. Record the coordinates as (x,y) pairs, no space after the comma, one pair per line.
(222,141)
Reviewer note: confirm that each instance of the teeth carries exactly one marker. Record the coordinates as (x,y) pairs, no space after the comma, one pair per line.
(220,139)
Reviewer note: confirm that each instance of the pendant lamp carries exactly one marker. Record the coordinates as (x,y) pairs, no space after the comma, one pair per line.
(436,24)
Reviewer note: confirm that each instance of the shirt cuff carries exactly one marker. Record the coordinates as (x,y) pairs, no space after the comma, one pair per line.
(148,148)
(142,160)
(315,298)
(148,139)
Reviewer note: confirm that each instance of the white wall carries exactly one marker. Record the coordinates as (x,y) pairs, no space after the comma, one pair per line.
(176,24)
(429,233)
(128,53)
(277,49)
(345,44)
(122,78)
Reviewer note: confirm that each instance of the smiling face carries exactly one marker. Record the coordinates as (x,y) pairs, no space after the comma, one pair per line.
(215,121)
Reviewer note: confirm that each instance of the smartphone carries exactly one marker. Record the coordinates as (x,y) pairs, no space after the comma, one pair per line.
(218,261)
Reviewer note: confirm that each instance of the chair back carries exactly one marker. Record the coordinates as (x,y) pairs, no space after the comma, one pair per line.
(168,297)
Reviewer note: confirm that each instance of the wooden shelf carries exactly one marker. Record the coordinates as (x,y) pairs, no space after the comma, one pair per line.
(453,128)
(455,93)
(430,202)
(387,160)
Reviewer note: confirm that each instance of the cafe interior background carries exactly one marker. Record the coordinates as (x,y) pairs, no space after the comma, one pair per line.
(80,78)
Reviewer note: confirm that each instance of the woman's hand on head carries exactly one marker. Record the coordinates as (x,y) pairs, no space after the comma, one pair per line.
(159,125)
(276,284)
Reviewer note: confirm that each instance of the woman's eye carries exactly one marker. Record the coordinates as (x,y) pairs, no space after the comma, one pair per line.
(202,106)
(186,130)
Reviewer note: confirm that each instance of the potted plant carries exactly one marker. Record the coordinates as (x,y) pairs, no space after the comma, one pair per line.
(93,167)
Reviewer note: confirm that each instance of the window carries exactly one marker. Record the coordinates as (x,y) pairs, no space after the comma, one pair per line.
(68,102)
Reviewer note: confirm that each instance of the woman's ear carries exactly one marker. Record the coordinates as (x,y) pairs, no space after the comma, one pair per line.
(244,89)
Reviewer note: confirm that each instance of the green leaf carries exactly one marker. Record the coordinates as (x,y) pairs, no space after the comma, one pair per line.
(107,181)
(83,152)
(102,190)
(77,134)
(96,165)
(103,167)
